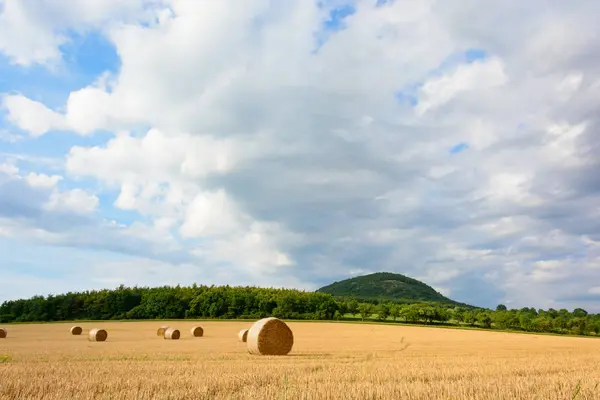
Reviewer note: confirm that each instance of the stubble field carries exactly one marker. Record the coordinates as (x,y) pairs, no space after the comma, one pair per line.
(328,361)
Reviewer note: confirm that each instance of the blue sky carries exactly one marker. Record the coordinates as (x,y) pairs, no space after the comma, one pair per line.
(334,22)
(144,148)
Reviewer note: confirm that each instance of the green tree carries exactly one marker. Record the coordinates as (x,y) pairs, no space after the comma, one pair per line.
(579,326)
(500,307)
(470,317)
(561,322)
(579,313)
(383,311)
(366,310)
(442,314)
(410,313)
(458,315)
(541,324)
(485,319)
(427,314)
(525,320)
(501,319)
(352,306)
(395,311)
(596,327)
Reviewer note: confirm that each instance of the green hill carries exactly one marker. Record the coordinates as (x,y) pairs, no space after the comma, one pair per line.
(386,286)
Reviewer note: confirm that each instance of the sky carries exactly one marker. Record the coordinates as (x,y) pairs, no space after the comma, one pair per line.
(297,143)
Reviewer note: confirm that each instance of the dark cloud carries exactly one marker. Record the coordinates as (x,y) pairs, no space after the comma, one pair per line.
(580,298)
(474,285)
(19,200)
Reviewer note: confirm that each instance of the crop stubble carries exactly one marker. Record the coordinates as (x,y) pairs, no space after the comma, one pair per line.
(328,361)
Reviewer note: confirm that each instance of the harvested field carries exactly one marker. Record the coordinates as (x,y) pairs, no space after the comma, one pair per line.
(328,361)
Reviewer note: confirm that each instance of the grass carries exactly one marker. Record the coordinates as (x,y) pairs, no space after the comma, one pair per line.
(577,390)
(328,361)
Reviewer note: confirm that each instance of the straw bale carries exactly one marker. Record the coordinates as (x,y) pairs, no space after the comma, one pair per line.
(197,331)
(76,330)
(243,335)
(97,335)
(161,330)
(270,336)
(172,333)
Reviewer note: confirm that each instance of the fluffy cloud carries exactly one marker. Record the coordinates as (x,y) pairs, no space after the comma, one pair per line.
(449,141)
(32,116)
(34,206)
(32,31)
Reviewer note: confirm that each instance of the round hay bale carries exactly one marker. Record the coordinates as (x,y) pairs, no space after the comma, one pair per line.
(76,330)
(97,335)
(161,330)
(172,333)
(270,337)
(197,331)
(3,333)
(243,335)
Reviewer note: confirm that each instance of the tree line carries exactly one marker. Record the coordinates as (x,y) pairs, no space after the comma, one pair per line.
(226,302)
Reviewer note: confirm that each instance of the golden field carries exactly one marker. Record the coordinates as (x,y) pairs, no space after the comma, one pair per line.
(328,361)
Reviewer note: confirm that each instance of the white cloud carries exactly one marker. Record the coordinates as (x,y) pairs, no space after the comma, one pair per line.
(479,75)
(157,177)
(9,168)
(157,156)
(245,150)
(32,116)
(34,192)
(211,214)
(594,290)
(31,32)
(43,180)
(87,110)
(35,43)
(75,200)
(549,271)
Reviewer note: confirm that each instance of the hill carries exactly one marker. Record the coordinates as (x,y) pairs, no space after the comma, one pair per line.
(386,286)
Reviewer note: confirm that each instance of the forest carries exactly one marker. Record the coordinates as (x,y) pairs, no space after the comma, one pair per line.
(387,286)
(226,302)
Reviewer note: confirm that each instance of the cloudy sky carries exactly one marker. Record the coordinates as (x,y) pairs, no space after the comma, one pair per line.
(294,143)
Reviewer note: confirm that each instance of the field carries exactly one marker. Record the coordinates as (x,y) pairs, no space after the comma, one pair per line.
(328,361)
